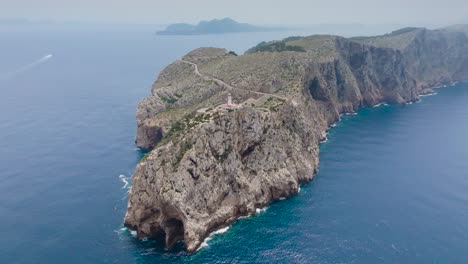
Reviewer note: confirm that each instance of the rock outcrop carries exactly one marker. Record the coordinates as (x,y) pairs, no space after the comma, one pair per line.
(211,164)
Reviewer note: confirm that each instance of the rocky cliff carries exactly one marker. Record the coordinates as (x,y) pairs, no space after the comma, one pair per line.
(211,163)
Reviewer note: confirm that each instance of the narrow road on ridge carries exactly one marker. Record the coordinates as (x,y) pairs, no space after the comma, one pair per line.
(222,83)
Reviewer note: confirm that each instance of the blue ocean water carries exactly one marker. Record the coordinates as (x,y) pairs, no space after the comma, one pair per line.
(392,185)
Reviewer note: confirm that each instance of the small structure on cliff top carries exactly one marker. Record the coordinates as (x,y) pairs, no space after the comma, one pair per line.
(229,101)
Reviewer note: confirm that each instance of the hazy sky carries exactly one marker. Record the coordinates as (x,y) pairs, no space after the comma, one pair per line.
(253,11)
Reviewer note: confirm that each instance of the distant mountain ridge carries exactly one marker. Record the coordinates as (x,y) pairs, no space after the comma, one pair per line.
(458,28)
(215,26)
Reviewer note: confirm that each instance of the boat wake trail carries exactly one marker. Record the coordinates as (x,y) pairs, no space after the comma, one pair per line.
(26,67)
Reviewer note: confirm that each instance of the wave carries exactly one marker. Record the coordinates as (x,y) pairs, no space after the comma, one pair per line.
(425,95)
(26,67)
(261,210)
(124,179)
(379,105)
(121,230)
(126,185)
(221,231)
(204,244)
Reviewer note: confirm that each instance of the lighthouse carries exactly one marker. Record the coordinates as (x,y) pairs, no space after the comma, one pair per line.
(229,100)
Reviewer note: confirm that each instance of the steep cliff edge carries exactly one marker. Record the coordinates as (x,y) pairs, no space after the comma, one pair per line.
(212,163)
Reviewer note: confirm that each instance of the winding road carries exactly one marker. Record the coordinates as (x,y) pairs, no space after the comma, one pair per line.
(222,83)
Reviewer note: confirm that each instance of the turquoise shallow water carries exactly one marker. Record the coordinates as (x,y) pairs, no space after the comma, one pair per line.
(392,185)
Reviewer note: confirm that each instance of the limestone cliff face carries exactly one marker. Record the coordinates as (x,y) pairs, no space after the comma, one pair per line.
(432,57)
(437,57)
(361,76)
(211,164)
(223,169)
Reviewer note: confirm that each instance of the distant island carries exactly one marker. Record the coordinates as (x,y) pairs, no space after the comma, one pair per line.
(215,26)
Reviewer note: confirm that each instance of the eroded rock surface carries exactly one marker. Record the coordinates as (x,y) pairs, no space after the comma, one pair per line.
(212,164)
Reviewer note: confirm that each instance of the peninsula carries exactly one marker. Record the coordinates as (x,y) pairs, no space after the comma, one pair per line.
(213,160)
(215,26)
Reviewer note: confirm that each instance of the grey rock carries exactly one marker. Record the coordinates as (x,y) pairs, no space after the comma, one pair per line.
(211,166)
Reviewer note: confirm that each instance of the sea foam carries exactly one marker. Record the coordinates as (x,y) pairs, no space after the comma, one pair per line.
(425,95)
(261,210)
(204,244)
(379,105)
(124,179)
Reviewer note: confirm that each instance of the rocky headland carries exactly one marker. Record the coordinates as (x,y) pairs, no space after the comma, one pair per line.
(211,163)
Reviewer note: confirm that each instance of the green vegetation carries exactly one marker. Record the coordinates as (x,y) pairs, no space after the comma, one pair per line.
(275,46)
(145,156)
(184,147)
(360,38)
(398,39)
(403,31)
(188,122)
(210,82)
(292,38)
(273,104)
(169,100)
(199,119)
(179,127)
(224,156)
(232,53)
(393,33)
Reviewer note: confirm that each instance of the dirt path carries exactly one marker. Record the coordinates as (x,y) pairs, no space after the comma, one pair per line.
(222,83)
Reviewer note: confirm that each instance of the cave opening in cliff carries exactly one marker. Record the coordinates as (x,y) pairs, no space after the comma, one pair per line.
(314,88)
(174,232)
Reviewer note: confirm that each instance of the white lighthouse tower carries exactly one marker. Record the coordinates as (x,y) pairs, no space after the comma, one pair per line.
(229,100)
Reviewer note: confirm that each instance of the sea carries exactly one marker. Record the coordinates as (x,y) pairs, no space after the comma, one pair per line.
(392,185)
